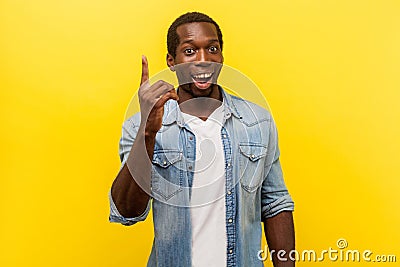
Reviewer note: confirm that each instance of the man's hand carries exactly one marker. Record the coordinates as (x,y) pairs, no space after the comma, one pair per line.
(152,99)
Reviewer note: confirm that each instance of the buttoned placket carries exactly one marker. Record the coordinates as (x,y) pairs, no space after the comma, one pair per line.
(230,200)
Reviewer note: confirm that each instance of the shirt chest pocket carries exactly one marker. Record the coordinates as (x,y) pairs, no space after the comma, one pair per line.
(251,165)
(167,173)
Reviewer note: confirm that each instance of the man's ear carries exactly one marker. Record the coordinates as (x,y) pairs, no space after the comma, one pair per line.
(171,62)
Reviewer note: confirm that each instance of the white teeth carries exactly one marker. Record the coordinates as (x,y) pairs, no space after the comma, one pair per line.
(202,76)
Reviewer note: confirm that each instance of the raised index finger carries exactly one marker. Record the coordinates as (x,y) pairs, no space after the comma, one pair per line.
(145,70)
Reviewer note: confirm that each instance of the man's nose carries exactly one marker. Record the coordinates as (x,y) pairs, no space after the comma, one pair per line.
(202,57)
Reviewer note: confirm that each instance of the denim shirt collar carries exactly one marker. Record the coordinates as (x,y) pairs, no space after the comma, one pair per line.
(173,114)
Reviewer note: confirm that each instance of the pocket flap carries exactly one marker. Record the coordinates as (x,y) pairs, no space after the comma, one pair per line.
(164,158)
(253,151)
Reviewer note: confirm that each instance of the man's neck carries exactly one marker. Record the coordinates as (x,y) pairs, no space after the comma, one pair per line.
(201,107)
(185,94)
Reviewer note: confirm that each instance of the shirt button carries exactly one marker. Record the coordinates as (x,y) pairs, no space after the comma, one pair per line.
(229,192)
(224,136)
(252,156)
(230,251)
(229,164)
(230,221)
(164,163)
(191,138)
(190,167)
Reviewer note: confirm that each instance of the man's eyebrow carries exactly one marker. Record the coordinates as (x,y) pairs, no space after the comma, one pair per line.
(189,41)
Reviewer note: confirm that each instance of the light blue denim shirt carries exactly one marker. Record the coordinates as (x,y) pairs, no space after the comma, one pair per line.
(255,189)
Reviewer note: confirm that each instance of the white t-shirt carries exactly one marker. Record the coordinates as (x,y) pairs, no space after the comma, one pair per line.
(209,240)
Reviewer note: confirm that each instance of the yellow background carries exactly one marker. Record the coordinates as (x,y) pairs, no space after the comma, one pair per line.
(68,69)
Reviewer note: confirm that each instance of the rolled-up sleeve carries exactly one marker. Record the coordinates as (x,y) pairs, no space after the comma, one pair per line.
(129,131)
(275,197)
(116,217)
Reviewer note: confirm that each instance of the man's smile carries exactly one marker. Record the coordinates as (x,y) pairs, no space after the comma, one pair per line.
(202,80)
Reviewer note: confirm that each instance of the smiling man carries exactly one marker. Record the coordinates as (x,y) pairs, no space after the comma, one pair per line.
(206,161)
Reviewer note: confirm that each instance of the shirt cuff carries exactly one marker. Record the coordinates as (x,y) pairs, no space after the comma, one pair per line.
(116,217)
(284,203)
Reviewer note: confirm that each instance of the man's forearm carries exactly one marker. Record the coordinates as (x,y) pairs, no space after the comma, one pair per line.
(131,195)
(279,231)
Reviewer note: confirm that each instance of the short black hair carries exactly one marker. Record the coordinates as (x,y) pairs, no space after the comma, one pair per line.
(173,37)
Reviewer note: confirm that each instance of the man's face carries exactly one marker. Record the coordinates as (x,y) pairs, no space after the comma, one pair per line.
(198,59)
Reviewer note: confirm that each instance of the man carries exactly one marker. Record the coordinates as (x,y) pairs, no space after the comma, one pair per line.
(207,162)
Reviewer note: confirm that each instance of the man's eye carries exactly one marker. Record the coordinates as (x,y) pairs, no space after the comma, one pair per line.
(189,51)
(213,49)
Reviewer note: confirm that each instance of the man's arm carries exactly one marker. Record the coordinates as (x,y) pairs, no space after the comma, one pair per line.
(131,188)
(277,206)
(279,232)
(130,198)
